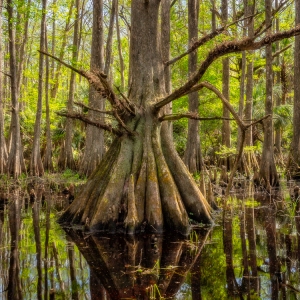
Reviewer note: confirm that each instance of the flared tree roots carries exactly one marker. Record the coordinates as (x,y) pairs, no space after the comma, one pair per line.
(140,185)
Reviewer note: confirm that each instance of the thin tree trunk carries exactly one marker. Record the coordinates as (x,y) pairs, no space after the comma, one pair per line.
(250,159)
(226,131)
(165,51)
(36,166)
(54,88)
(249,75)
(48,163)
(278,131)
(295,170)
(192,155)
(22,50)
(268,173)
(66,159)
(121,60)
(15,159)
(110,37)
(94,144)
(3,149)
(213,15)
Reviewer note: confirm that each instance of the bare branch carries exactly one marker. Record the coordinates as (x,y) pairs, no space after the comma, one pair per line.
(258,32)
(277,53)
(82,105)
(226,103)
(194,116)
(6,74)
(224,49)
(173,2)
(96,79)
(204,40)
(258,121)
(86,120)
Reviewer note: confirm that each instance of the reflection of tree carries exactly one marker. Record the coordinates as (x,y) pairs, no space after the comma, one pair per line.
(232,284)
(14,288)
(129,266)
(48,210)
(268,211)
(74,285)
(250,230)
(38,245)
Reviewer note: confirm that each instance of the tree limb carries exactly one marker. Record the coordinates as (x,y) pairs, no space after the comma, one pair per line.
(82,105)
(6,74)
(86,120)
(194,116)
(277,53)
(204,40)
(259,31)
(98,80)
(221,50)
(237,118)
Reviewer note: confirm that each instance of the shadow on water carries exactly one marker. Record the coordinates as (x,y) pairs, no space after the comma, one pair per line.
(252,253)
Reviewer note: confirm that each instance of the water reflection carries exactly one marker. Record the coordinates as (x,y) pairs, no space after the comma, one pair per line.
(254,253)
(140,267)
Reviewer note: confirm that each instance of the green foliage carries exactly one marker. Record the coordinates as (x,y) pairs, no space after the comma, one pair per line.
(283,116)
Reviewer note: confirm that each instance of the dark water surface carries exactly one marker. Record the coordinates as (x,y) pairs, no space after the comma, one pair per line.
(253,252)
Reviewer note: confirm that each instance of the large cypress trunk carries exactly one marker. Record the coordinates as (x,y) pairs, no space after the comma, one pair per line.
(141,183)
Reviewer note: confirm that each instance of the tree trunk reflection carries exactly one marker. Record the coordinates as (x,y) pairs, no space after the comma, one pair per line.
(14,288)
(140,266)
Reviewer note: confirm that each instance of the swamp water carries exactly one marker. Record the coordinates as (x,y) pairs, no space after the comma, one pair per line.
(253,252)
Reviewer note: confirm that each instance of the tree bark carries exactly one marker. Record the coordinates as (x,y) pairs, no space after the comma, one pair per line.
(94,149)
(192,155)
(36,166)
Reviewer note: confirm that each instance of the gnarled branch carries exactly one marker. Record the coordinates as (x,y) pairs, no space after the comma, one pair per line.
(86,120)
(82,105)
(194,116)
(99,81)
(237,118)
(204,40)
(221,50)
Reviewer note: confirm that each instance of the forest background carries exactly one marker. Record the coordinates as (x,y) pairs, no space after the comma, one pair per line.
(36,91)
